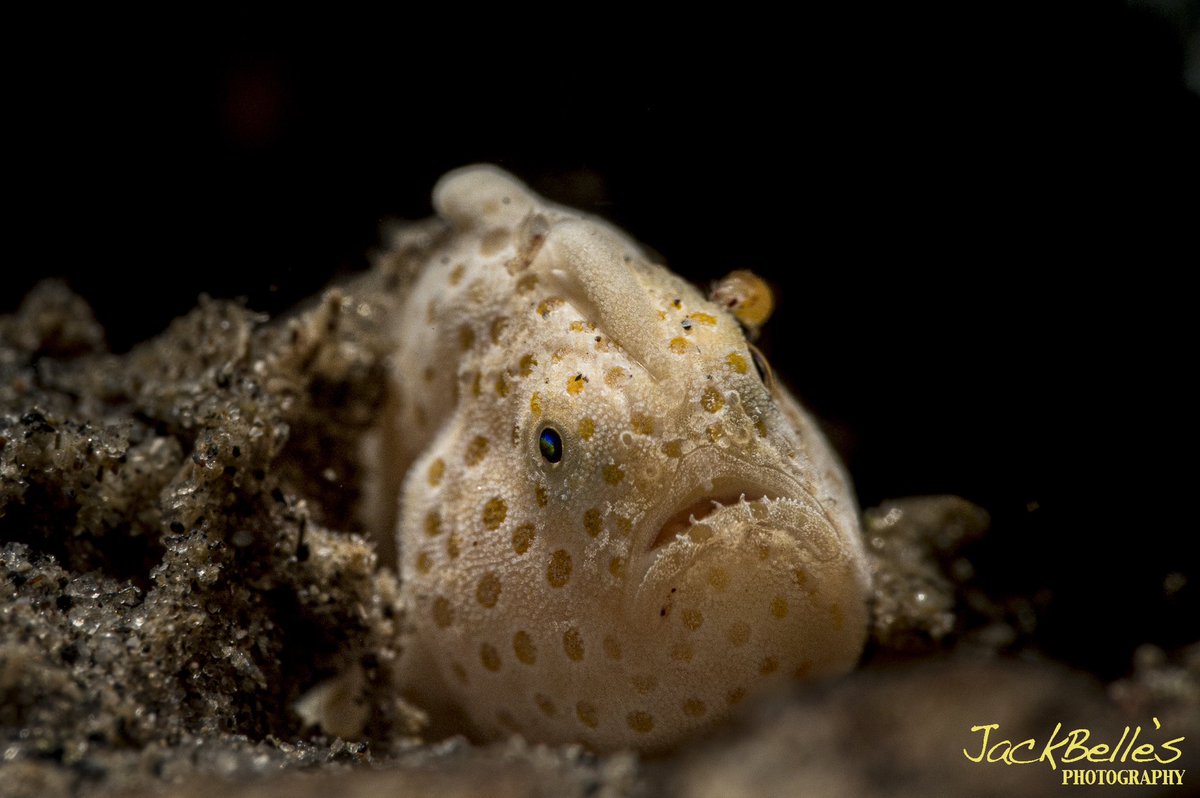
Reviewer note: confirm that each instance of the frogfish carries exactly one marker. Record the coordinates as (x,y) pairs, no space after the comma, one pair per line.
(614,524)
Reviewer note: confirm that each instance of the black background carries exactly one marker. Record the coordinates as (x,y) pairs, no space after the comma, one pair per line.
(978,222)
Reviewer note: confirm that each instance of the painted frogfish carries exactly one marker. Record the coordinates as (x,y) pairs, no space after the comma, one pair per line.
(614,525)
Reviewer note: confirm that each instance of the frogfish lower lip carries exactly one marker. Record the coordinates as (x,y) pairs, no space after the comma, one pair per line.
(704,501)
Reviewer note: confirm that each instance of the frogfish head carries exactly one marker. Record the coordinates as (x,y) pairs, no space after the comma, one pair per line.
(622,527)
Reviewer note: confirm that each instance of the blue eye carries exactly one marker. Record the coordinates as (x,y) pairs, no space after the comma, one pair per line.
(550,445)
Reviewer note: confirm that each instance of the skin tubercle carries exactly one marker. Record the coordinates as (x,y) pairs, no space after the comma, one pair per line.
(613,531)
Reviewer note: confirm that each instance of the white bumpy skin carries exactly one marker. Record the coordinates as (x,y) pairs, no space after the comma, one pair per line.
(611,529)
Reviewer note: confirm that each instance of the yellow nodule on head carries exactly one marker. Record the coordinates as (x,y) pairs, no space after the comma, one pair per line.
(747,296)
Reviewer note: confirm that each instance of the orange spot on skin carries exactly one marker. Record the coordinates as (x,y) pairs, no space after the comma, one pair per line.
(524,648)
(614,377)
(497,328)
(575,384)
(642,424)
(737,363)
(703,318)
(526,365)
(476,450)
(488,591)
(456,274)
(494,513)
(587,428)
(679,346)
(490,657)
(547,306)
(436,469)
(493,241)
(640,722)
(613,474)
(587,714)
(573,645)
(592,523)
(711,399)
(558,572)
(522,538)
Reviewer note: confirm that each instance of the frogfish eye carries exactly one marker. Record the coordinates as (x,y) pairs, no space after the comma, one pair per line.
(762,367)
(550,445)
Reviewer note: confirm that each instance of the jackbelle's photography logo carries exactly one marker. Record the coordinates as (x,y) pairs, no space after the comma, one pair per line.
(1124,762)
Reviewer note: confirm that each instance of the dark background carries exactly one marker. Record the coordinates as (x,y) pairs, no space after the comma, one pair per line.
(978,223)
